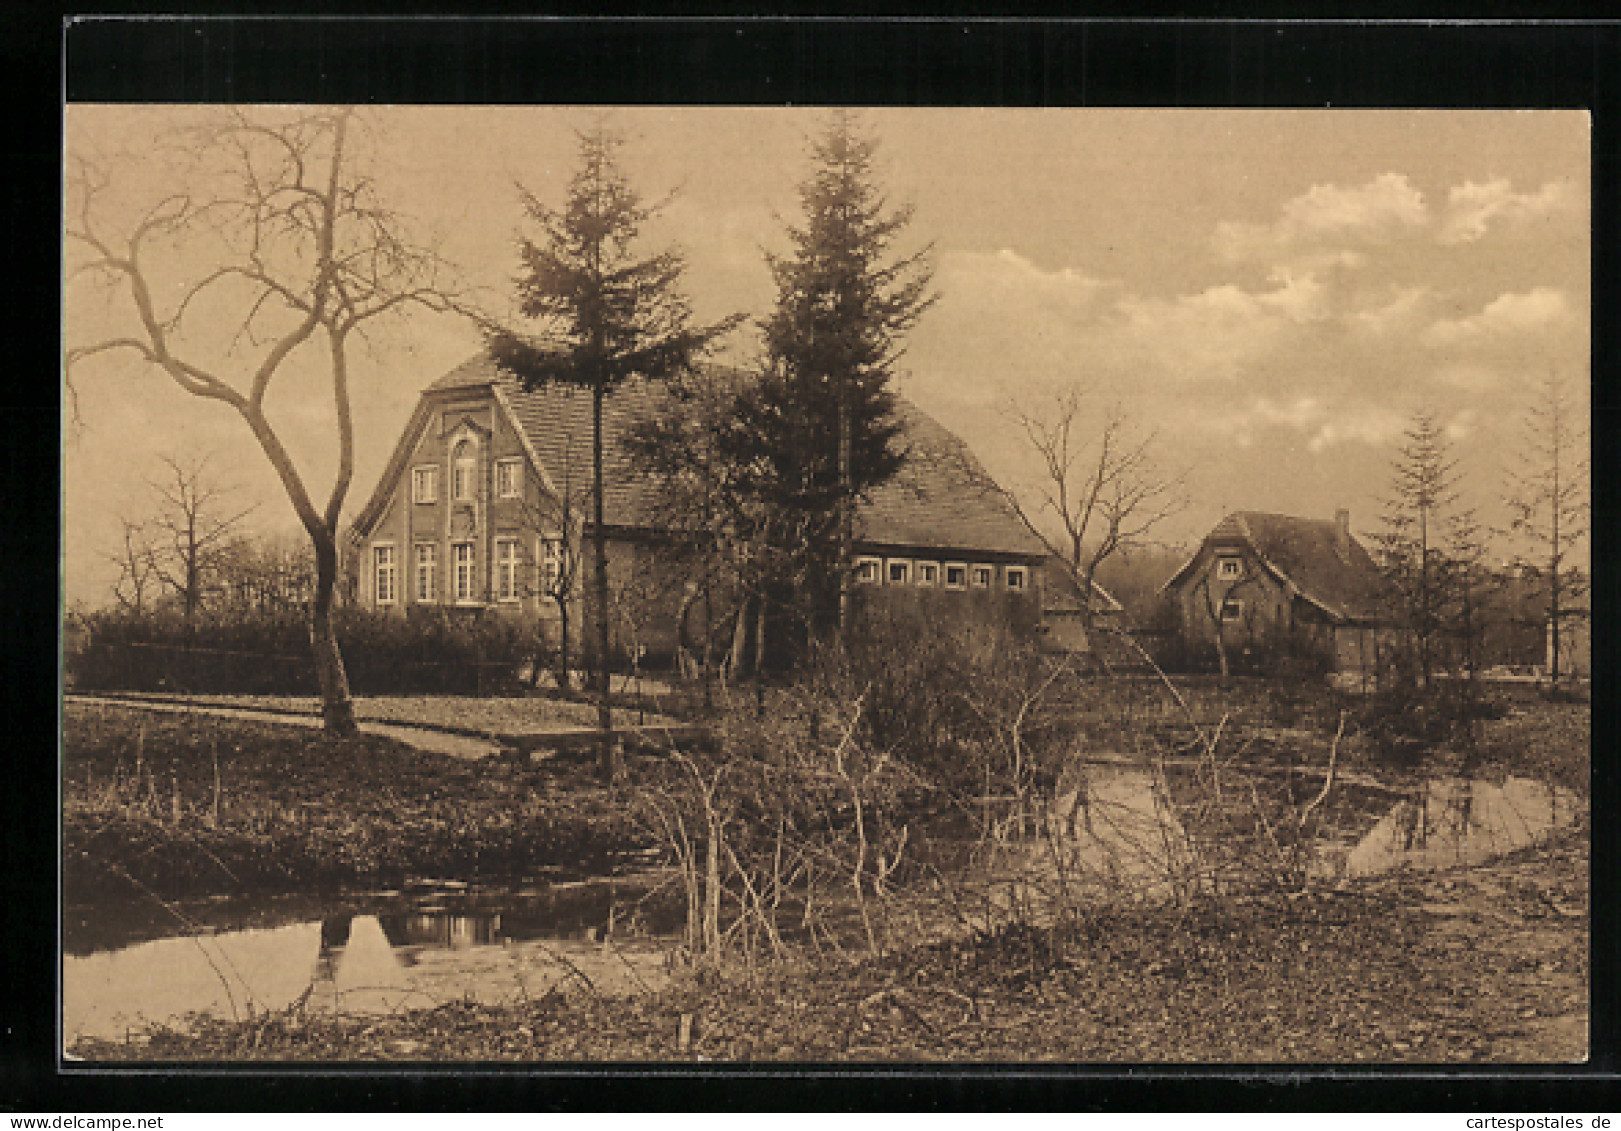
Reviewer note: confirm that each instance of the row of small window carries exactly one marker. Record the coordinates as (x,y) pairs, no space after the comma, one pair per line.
(509,563)
(927,575)
(464,477)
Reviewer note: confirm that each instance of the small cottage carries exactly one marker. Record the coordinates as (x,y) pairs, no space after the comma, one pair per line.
(1300,588)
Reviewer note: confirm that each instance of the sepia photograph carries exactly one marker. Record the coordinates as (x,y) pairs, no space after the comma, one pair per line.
(825,585)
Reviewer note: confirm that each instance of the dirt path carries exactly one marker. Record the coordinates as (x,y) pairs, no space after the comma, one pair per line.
(420,737)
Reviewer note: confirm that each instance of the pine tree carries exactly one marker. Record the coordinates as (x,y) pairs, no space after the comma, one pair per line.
(1429,544)
(605,314)
(1550,497)
(824,410)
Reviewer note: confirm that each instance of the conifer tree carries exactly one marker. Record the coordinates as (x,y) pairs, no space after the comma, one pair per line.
(1428,542)
(1550,498)
(823,413)
(604,312)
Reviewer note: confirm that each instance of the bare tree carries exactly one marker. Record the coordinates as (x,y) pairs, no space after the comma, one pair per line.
(275,233)
(555,518)
(191,535)
(1105,487)
(136,575)
(1550,497)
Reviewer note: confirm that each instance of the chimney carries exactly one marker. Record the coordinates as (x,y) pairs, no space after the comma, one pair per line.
(1342,534)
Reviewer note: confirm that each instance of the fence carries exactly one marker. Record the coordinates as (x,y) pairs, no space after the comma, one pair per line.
(131,666)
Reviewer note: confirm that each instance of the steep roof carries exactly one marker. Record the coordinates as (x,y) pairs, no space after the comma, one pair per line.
(1061,593)
(941,499)
(1305,552)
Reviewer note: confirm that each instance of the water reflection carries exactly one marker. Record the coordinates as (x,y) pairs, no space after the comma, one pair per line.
(360,962)
(1455,821)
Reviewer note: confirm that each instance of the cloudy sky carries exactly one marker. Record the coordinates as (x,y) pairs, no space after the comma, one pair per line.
(1273,293)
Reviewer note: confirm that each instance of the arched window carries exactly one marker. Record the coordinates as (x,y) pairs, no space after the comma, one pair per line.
(462,471)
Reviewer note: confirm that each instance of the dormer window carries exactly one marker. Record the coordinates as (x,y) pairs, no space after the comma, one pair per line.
(1229,568)
(463,472)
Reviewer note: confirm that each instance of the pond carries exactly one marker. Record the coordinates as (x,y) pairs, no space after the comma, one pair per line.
(380,952)
(364,954)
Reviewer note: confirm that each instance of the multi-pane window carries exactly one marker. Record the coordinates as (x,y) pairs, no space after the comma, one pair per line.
(1015,578)
(383,556)
(899,572)
(506,569)
(551,563)
(462,562)
(425,484)
(983,575)
(508,477)
(928,573)
(463,467)
(956,575)
(427,562)
(1229,569)
(1232,609)
(867,571)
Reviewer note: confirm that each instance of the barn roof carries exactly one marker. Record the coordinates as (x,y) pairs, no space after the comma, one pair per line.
(942,499)
(1305,552)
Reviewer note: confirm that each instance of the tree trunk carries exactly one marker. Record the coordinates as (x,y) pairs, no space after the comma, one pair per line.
(565,678)
(599,539)
(846,522)
(337,709)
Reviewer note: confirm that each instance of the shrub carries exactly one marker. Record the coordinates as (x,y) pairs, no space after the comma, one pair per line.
(426,651)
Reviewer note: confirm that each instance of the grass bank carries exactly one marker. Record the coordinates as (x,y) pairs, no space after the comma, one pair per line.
(195,805)
(1484,965)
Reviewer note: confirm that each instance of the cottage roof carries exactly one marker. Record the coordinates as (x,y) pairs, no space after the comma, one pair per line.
(1304,552)
(941,499)
(1061,594)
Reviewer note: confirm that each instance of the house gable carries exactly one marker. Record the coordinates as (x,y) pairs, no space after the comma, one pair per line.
(1313,560)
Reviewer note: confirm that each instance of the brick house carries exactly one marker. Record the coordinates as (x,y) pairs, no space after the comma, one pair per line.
(1277,581)
(486,498)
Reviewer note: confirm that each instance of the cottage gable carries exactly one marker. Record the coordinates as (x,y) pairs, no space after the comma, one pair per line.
(1317,560)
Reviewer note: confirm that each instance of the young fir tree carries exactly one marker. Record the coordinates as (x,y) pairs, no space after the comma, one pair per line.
(1429,544)
(1550,498)
(604,313)
(823,413)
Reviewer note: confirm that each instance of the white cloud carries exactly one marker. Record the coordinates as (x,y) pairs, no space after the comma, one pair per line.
(1399,315)
(1332,215)
(1471,208)
(1508,315)
(1371,426)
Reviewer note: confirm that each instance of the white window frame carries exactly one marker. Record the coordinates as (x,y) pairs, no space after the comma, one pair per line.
(974,572)
(464,593)
(1236,604)
(509,478)
(945,575)
(869,570)
(385,593)
(425,483)
(1016,571)
(550,552)
(425,571)
(508,557)
(930,568)
(1229,567)
(890,565)
(464,489)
